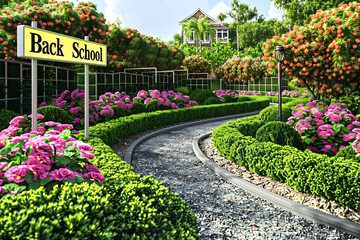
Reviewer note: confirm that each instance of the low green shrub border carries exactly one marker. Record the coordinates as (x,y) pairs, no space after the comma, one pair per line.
(114,130)
(125,205)
(334,178)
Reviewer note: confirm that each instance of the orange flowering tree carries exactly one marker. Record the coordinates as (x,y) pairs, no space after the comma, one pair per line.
(324,54)
(126,47)
(242,69)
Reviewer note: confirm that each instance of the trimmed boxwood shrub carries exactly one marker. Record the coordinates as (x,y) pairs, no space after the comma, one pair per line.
(183,90)
(243,98)
(203,95)
(56,114)
(5,117)
(212,100)
(334,178)
(228,98)
(280,133)
(271,113)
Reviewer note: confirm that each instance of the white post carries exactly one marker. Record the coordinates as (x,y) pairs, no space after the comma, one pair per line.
(86,101)
(34,86)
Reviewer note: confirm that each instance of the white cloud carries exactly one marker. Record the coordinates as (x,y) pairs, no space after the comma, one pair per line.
(274,12)
(220,7)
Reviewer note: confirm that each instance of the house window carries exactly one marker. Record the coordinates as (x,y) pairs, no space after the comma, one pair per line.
(191,37)
(222,35)
(206,37)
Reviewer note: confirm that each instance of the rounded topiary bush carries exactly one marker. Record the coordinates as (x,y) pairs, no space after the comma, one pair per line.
(349,153)
(229,99)
(212,100)
(194,93)
(56,114)
(280,133)
(271,113)
(5,117)
(183,90)
(203,95)
(243,98)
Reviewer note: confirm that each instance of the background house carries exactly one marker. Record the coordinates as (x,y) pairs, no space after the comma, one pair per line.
(218,31)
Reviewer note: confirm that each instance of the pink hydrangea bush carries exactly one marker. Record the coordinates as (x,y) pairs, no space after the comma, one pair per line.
(221,93)
(51,155)
(325,129)
(99,110)
(158,100)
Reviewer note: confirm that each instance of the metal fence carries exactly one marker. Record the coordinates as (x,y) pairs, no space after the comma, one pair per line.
(15,84)
(264,85)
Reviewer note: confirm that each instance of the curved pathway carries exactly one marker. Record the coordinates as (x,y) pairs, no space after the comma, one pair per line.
(223,210)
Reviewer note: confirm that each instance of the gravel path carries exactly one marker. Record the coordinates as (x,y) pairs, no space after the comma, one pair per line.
(224,211)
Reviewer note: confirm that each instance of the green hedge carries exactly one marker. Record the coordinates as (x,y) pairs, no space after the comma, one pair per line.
(125,205)
(121,128)
(334,178)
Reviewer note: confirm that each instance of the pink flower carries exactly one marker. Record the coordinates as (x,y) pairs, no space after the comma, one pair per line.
(313,138)
(94,176)
(147,101)
(160,101)
(91,168)
(120,104)
(142,94)
(74,110)
(61,174)
(3,165)
(318,114)
(85,150)
(16,121)
(348,137)
(16,173)
(155,93)
(350,126)
(335,118)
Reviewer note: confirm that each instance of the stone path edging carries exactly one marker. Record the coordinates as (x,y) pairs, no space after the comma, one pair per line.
(287,204)
(294,207)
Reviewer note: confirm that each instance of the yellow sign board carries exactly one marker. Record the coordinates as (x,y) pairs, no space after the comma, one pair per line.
(41,44)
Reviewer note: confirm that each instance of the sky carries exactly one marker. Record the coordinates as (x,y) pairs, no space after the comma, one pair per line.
(160,18)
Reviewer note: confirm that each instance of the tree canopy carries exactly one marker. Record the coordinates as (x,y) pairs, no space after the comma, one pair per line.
(298,12)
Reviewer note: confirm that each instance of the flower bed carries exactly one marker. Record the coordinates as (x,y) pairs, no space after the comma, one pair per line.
(334,178)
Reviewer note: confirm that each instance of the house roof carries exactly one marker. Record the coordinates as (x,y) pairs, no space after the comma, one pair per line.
(196,15)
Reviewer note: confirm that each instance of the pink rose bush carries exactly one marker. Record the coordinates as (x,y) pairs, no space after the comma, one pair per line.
(159,100)
(48,156)
(326,129)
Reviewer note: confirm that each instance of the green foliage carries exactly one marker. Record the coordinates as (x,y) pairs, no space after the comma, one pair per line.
(70,211)
(56,114)
(114,130)
(348,153)
(5,117)
(280,133)
(299,12)
(243,98)
(203,95)
(228,98)
(212,100)
(334,178)
(271,113)
(194,93)
(184,90)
